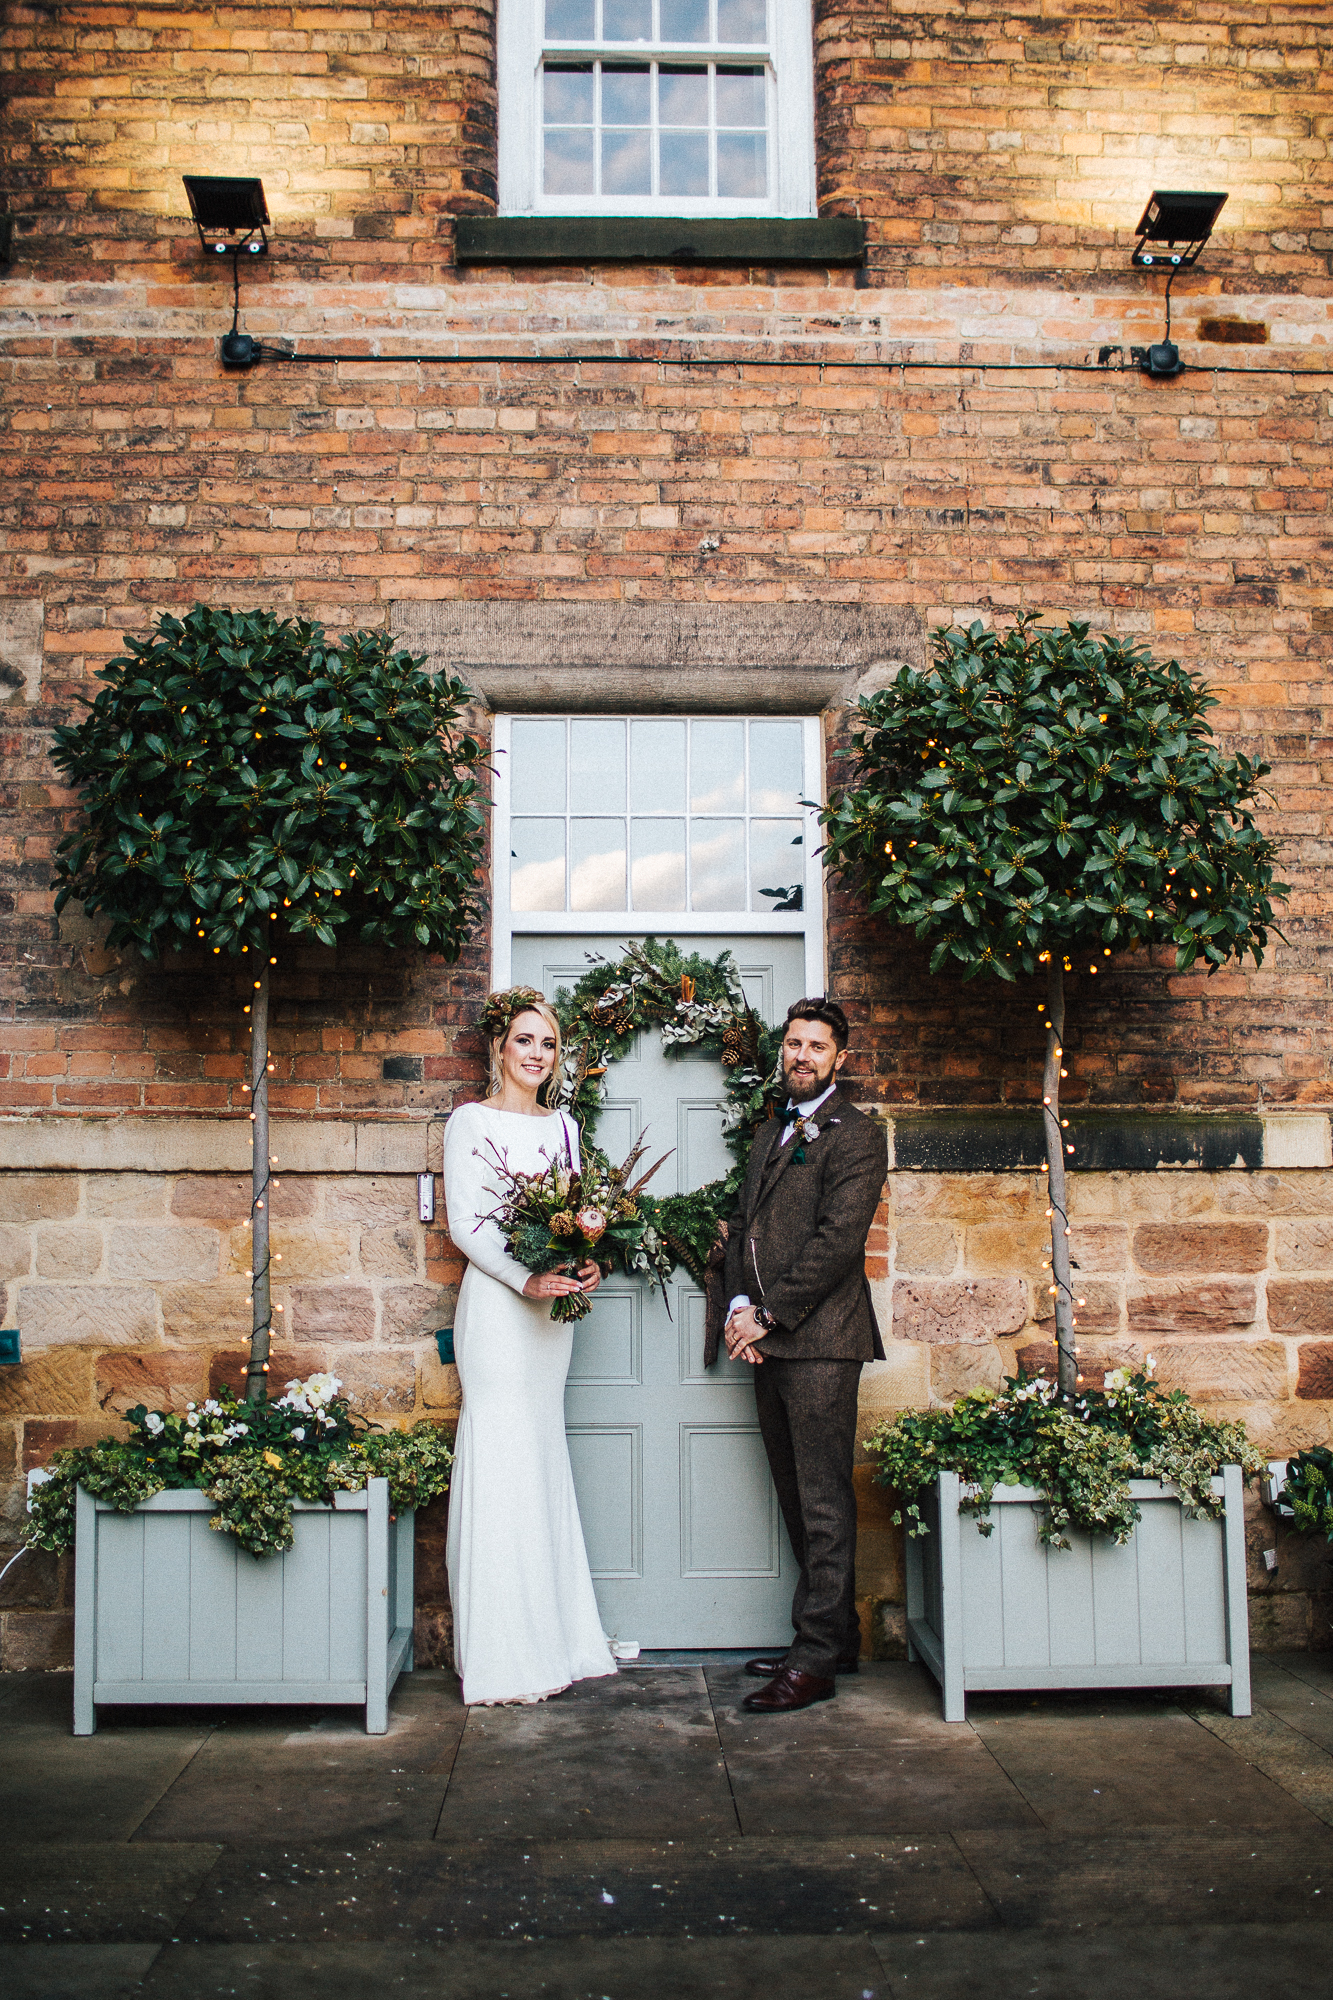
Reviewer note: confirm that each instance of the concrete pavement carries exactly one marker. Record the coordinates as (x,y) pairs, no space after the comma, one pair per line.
(647,1837)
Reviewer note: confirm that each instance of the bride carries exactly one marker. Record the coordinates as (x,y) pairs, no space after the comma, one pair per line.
(526,1622)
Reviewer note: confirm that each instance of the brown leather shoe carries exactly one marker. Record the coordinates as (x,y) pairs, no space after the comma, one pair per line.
(788,1690)
(773,1663)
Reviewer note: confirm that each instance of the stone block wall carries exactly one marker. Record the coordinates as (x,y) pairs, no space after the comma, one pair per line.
(130,1287)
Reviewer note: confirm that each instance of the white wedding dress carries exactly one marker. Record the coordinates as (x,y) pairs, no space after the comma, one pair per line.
(526,1622)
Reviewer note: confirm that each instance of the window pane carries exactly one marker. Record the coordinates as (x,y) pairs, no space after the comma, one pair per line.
(717,864)
(537,768)
(742,164)
(627,20)
(597,864)
(537,863)
(657,769)
(626,166)
(567,94)
(568,162)
(571,20)
(597,767)
(717,768)
(657,866)
(740,20)
(625,96)
(682,97)
(741,97)
(684,163)
(776,779)
(777,864)
(684,20)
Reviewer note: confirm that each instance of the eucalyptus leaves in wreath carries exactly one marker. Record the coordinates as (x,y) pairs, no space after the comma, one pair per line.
(1043,799)
(244,781)
(697,1004)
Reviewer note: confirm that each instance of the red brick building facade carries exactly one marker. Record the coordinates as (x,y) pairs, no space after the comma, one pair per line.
(599,446)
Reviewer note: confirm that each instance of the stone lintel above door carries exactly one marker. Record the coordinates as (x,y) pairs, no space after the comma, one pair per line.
(753,659)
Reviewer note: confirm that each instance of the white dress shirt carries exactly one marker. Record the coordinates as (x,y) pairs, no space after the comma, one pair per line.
(805,1110)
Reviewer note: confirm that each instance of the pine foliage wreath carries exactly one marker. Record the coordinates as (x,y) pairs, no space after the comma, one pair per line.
(698,1004)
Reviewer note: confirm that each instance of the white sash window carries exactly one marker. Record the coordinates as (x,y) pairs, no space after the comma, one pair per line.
(656,107)
(677,825)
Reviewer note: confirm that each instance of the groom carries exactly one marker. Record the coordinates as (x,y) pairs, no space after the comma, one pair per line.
(801,1314)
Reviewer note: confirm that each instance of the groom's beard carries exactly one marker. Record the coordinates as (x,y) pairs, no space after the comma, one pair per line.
(810,1083)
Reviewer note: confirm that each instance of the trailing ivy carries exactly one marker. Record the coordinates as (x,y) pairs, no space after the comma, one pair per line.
(698,1005)
(1308,1491)
(1081,1455)
(251,1460)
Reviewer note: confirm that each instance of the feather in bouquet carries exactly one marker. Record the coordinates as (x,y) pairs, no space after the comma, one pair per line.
(567,1215)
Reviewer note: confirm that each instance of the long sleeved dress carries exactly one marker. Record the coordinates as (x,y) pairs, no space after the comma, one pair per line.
(526,1621)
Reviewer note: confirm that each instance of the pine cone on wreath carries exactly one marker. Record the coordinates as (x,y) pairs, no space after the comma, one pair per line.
(740,1040)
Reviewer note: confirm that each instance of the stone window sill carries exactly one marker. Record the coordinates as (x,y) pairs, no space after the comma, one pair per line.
(634,239)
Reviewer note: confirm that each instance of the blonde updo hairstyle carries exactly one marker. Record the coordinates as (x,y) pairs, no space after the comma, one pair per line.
(544,1009)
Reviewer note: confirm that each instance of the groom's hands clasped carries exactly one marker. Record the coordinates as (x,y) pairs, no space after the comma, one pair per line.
(742,1332)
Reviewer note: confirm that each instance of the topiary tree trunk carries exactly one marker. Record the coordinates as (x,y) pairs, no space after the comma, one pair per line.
(244,781)
(1041,793)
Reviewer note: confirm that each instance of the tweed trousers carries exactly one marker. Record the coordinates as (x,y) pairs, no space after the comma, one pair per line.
(807,1416)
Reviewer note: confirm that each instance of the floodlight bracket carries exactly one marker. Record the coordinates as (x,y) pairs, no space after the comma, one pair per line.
(1180,218)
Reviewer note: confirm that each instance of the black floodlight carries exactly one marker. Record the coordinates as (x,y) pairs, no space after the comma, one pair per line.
(1173,217)
(230,213)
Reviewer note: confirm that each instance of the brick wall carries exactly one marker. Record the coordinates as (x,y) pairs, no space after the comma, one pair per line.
(976,140)
(1000,161)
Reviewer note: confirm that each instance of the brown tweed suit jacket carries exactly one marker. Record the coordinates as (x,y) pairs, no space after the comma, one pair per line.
(797,1240)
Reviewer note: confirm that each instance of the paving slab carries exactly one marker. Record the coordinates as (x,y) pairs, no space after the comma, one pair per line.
(1304,1707)
(877,1757)
(1062,1880)
(637,1756)
(506,1889)
(1282,1753)
(74,1971)
(314,1774)
(1149,1962)
(821,1968)
(112,1891)
(1092,1765)
(58,1786)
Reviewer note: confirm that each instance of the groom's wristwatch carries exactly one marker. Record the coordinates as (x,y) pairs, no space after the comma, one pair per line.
(764,1318)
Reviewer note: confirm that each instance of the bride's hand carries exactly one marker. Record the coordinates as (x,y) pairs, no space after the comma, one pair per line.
(591,1275)
(552,1285)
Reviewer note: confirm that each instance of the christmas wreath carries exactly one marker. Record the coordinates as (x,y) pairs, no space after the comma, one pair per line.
(697,1004)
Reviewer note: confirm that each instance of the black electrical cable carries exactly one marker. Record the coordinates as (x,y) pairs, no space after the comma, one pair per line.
(761,361)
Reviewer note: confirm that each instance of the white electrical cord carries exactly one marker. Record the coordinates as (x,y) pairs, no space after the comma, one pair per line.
(10,1564)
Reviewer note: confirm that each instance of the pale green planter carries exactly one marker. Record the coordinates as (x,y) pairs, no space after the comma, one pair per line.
(168,1610)
(1167,1608)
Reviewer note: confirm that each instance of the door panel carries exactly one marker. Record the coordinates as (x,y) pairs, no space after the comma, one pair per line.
(684,1534)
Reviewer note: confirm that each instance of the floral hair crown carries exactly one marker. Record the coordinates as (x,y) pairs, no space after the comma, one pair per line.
(501,1008)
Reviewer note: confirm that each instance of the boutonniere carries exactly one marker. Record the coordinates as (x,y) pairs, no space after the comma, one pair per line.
(810,1131)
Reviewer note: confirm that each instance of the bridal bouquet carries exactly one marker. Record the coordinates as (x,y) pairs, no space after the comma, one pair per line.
(568,1215)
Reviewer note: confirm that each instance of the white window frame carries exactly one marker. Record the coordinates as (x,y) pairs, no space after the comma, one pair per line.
(519,46)
(807,922)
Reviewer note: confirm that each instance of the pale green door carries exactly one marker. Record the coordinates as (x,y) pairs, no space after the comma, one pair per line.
(683,1529)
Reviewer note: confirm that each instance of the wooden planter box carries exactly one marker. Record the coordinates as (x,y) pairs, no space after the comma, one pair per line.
(168,1610)
(1165,1609)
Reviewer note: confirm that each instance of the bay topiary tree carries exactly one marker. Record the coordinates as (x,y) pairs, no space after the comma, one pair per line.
(244,781)
(1043,799)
